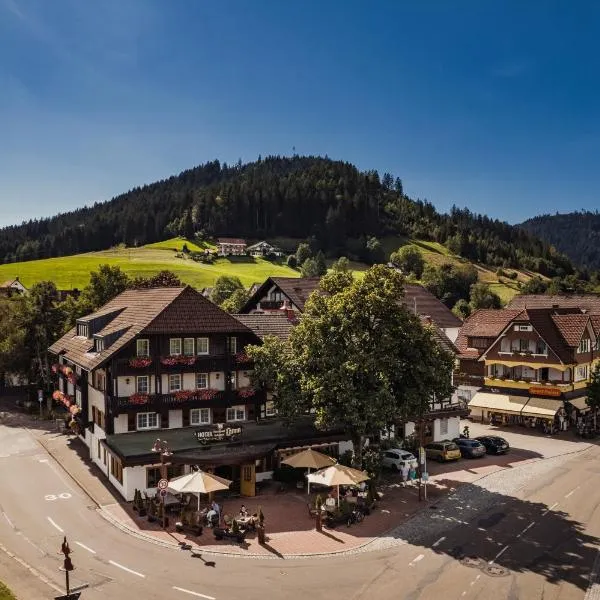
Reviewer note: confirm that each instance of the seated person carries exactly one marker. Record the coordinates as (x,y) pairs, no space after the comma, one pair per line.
(212,517)
(330,502)
(243,511)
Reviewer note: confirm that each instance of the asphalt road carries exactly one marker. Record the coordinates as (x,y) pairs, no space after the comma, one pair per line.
(541,544)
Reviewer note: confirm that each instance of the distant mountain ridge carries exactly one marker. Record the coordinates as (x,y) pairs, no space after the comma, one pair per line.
(575,234)
(303,197)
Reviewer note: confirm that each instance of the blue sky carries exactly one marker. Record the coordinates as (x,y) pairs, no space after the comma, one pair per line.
(490,105)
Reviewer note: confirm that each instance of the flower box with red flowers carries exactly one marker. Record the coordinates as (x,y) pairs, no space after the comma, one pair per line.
(183,394)
(246,392)
(242,358)
(139,398)
(208,394)
(172,361)
(140,362)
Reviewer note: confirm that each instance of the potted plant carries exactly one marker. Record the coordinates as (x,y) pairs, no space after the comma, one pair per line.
(135,504)
(151,511)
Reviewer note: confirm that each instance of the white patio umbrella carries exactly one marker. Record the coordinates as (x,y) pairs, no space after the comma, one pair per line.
(198,482)
(337,475)
(309,459)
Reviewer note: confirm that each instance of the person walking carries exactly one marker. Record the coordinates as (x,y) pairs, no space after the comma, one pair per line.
(405,470)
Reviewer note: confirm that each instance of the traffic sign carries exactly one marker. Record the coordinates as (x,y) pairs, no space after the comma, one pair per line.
(422,455)
(163,484)
(40,396)
(425,476)
(163,493)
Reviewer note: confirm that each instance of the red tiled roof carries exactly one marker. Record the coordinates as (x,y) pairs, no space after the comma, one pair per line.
(595,319)
(571,327)
(588,302)
(483,323)
(234,241)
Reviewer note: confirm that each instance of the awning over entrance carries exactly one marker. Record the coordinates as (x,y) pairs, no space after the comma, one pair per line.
(579,403)
(216,457)
(541,408)
(498,402)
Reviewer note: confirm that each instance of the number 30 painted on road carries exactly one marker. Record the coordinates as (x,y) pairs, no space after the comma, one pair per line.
(52,497)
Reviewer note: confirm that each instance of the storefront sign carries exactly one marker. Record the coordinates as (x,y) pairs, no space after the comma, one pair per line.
(544,391)
(219,433)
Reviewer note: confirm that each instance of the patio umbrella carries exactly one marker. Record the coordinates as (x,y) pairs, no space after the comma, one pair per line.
(309,459)
(198,482)
(337,475)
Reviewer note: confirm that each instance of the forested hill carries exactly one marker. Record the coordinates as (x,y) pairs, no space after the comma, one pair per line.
(301,197)
(577,234)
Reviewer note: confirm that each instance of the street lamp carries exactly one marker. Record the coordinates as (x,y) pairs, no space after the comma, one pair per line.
(162,447)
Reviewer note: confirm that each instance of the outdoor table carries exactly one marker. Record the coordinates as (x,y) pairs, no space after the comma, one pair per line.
(170,500)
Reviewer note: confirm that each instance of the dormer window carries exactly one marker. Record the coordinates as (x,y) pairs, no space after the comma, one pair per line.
(584,346)
(82,329)
(98,344)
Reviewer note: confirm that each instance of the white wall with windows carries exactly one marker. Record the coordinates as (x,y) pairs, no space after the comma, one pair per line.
(200,416)
(446,428)
(189,346)
(121,424)
(135,384)
(188,381)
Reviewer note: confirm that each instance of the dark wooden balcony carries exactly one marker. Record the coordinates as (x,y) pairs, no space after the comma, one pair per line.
(169,364)
(270,304)
(192,399)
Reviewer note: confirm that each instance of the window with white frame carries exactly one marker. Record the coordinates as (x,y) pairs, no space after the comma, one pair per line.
(147,420)
(233,345)
(175,346)
(142,384)
(82,330)
(200,416)
(584,346)
(78,397)
(99,344)
(142,347)
(270,410)
(202,345)
(188,346)
(236,413)
(582,372)
(175,382)
(201,381)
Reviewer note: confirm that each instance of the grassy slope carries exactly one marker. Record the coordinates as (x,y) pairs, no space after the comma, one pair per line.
(5,593)
(73,271)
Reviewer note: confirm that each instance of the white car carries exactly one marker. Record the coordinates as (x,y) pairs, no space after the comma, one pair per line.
(396,458)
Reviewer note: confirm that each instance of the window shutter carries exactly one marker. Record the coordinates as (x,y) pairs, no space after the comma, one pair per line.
(185,417)
(131,422)
(164,420)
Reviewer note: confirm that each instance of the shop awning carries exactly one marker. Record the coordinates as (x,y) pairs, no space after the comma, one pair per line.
(579,403)
(541,408)
(216,457)
(502,403)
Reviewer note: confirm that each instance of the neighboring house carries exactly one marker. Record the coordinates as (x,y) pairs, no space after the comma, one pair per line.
(263,248)
(12,287)
(528,365)
(167,363)
(262,324)
(291,293)
(231,247)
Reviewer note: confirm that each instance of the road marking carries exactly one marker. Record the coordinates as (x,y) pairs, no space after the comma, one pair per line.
(499,554)
(43,460)
(8,520)
(549,509)
(116,564)
(55,525)
(436,544)
(193,593)
(86,547)
(571,492)
(416,560)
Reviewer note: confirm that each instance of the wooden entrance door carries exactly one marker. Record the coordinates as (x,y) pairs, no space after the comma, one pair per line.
(248,480)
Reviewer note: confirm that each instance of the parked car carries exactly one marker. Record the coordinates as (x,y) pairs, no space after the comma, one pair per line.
(470,448)
(395,458)
(494,444)
(442,451)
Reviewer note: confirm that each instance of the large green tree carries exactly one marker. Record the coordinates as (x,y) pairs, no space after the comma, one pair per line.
(482,296)
(105,283)
(409,260)
(358,359)
(225,286)
(593,391)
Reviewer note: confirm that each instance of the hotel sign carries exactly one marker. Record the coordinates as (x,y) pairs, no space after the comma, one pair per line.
(544,391)
(219,433)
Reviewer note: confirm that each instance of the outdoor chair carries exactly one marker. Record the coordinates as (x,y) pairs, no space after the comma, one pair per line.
(312,511)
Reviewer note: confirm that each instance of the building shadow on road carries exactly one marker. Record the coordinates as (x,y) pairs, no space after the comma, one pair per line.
(500,534)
